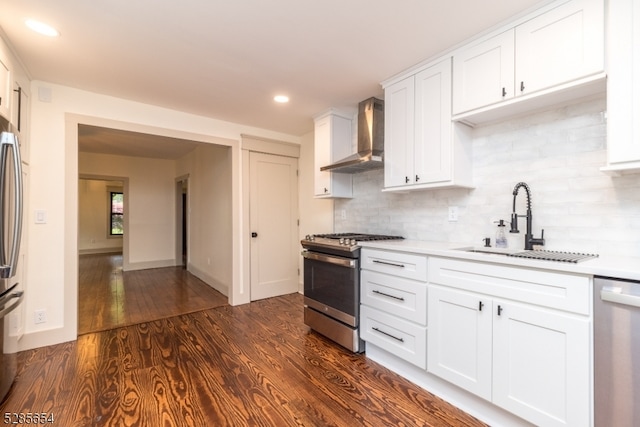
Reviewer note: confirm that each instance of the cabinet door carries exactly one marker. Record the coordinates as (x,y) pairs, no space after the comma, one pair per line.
(541,365)
(623,85)
(322,156)
(433,144)
(399,109)
(5,90)
(559,46)
(332,141)
(483,73)
(459,339)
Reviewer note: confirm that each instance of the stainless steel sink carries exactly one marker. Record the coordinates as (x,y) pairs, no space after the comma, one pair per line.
(558,256)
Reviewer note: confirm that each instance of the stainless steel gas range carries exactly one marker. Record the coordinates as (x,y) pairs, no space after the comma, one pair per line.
(332,285)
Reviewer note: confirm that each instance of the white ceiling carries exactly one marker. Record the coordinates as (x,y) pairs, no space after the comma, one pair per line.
(226,59)
(95,139)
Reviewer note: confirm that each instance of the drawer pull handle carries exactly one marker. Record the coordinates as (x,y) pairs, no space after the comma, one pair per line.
(500,310)
(388,295)
(480,305)
(375,261)
(388,334)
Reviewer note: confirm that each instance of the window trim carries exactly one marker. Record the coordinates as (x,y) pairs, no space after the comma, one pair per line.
(111,213)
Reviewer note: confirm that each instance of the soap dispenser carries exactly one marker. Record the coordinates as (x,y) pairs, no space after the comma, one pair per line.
(501,237)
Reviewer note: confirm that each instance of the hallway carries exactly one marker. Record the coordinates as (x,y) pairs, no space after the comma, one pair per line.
(110,298)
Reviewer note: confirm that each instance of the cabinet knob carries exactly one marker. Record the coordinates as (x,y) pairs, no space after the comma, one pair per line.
(254,234)
(417,178)
(406,179)
(325,190)
(504,92)
(521,86)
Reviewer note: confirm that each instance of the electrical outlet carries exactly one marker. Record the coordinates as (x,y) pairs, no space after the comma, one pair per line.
(343,214)
(453,213)
(40,316)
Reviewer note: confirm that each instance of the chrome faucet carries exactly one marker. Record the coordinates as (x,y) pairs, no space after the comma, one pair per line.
(529,240)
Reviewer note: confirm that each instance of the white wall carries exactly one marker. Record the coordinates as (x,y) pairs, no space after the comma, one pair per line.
(209,214)
(558,153)
(52,270)
(94,218)
(149,205)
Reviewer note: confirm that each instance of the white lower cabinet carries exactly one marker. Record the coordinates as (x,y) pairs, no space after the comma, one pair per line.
(393,311)
(404,339)
(541,365)
(460,339)
(530,360)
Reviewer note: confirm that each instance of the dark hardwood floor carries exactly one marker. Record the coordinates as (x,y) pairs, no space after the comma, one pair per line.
(250,365)
(109,298)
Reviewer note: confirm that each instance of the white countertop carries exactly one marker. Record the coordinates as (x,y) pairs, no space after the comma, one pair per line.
(618,267)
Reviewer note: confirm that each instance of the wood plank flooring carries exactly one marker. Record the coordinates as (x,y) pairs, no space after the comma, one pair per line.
(109,298)
(250,365)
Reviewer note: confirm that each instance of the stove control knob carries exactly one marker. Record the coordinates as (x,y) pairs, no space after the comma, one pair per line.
(353,242)
(341,241)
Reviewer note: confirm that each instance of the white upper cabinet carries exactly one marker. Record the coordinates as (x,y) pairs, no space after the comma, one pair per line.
(332,142)
(559,46)
(423,148)
(551,56)
(399,131)
(623,86)
(483,73)
(5,89)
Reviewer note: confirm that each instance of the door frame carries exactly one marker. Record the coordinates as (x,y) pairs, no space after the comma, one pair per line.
(262,145)
(182,221)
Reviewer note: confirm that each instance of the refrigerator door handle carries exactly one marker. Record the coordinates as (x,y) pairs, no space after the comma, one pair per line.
(10,141)
(19,295)
(5,295)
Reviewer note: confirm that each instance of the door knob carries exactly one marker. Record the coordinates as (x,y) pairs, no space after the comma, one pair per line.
(254,234)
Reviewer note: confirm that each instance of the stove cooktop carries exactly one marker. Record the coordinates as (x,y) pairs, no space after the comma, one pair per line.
(343,241)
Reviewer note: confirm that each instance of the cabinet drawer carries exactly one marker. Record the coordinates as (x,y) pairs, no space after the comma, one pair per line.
(394,295)
(399,264)
(563,291)
(397,336)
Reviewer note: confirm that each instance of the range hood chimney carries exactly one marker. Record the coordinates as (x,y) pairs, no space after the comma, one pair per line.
(370,140)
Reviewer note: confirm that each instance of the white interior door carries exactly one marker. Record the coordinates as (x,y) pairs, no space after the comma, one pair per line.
(274,225)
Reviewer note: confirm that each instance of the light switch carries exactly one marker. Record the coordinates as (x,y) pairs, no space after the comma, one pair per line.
(41,216)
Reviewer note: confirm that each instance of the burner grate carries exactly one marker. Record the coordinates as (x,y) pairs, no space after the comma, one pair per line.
(361,237)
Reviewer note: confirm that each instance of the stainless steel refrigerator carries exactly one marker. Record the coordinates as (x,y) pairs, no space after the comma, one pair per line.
(10,234)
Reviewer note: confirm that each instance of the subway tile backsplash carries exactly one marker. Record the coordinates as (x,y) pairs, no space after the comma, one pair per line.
(557,152)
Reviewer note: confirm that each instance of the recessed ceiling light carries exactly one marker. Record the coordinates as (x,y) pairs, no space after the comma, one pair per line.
(41,28)
(282,99)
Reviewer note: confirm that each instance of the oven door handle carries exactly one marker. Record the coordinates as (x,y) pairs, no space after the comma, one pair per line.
(342,262)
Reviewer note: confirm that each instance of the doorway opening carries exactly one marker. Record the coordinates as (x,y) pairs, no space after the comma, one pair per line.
(182,218)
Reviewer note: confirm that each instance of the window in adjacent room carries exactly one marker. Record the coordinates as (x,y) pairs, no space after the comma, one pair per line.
(116,227)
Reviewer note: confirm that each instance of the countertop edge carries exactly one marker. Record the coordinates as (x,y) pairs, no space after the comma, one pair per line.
(608,266)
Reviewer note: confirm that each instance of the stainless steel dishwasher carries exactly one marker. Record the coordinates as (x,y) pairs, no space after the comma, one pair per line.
(616,352)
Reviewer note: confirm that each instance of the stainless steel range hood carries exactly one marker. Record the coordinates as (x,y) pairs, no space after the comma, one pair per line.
(370,140)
